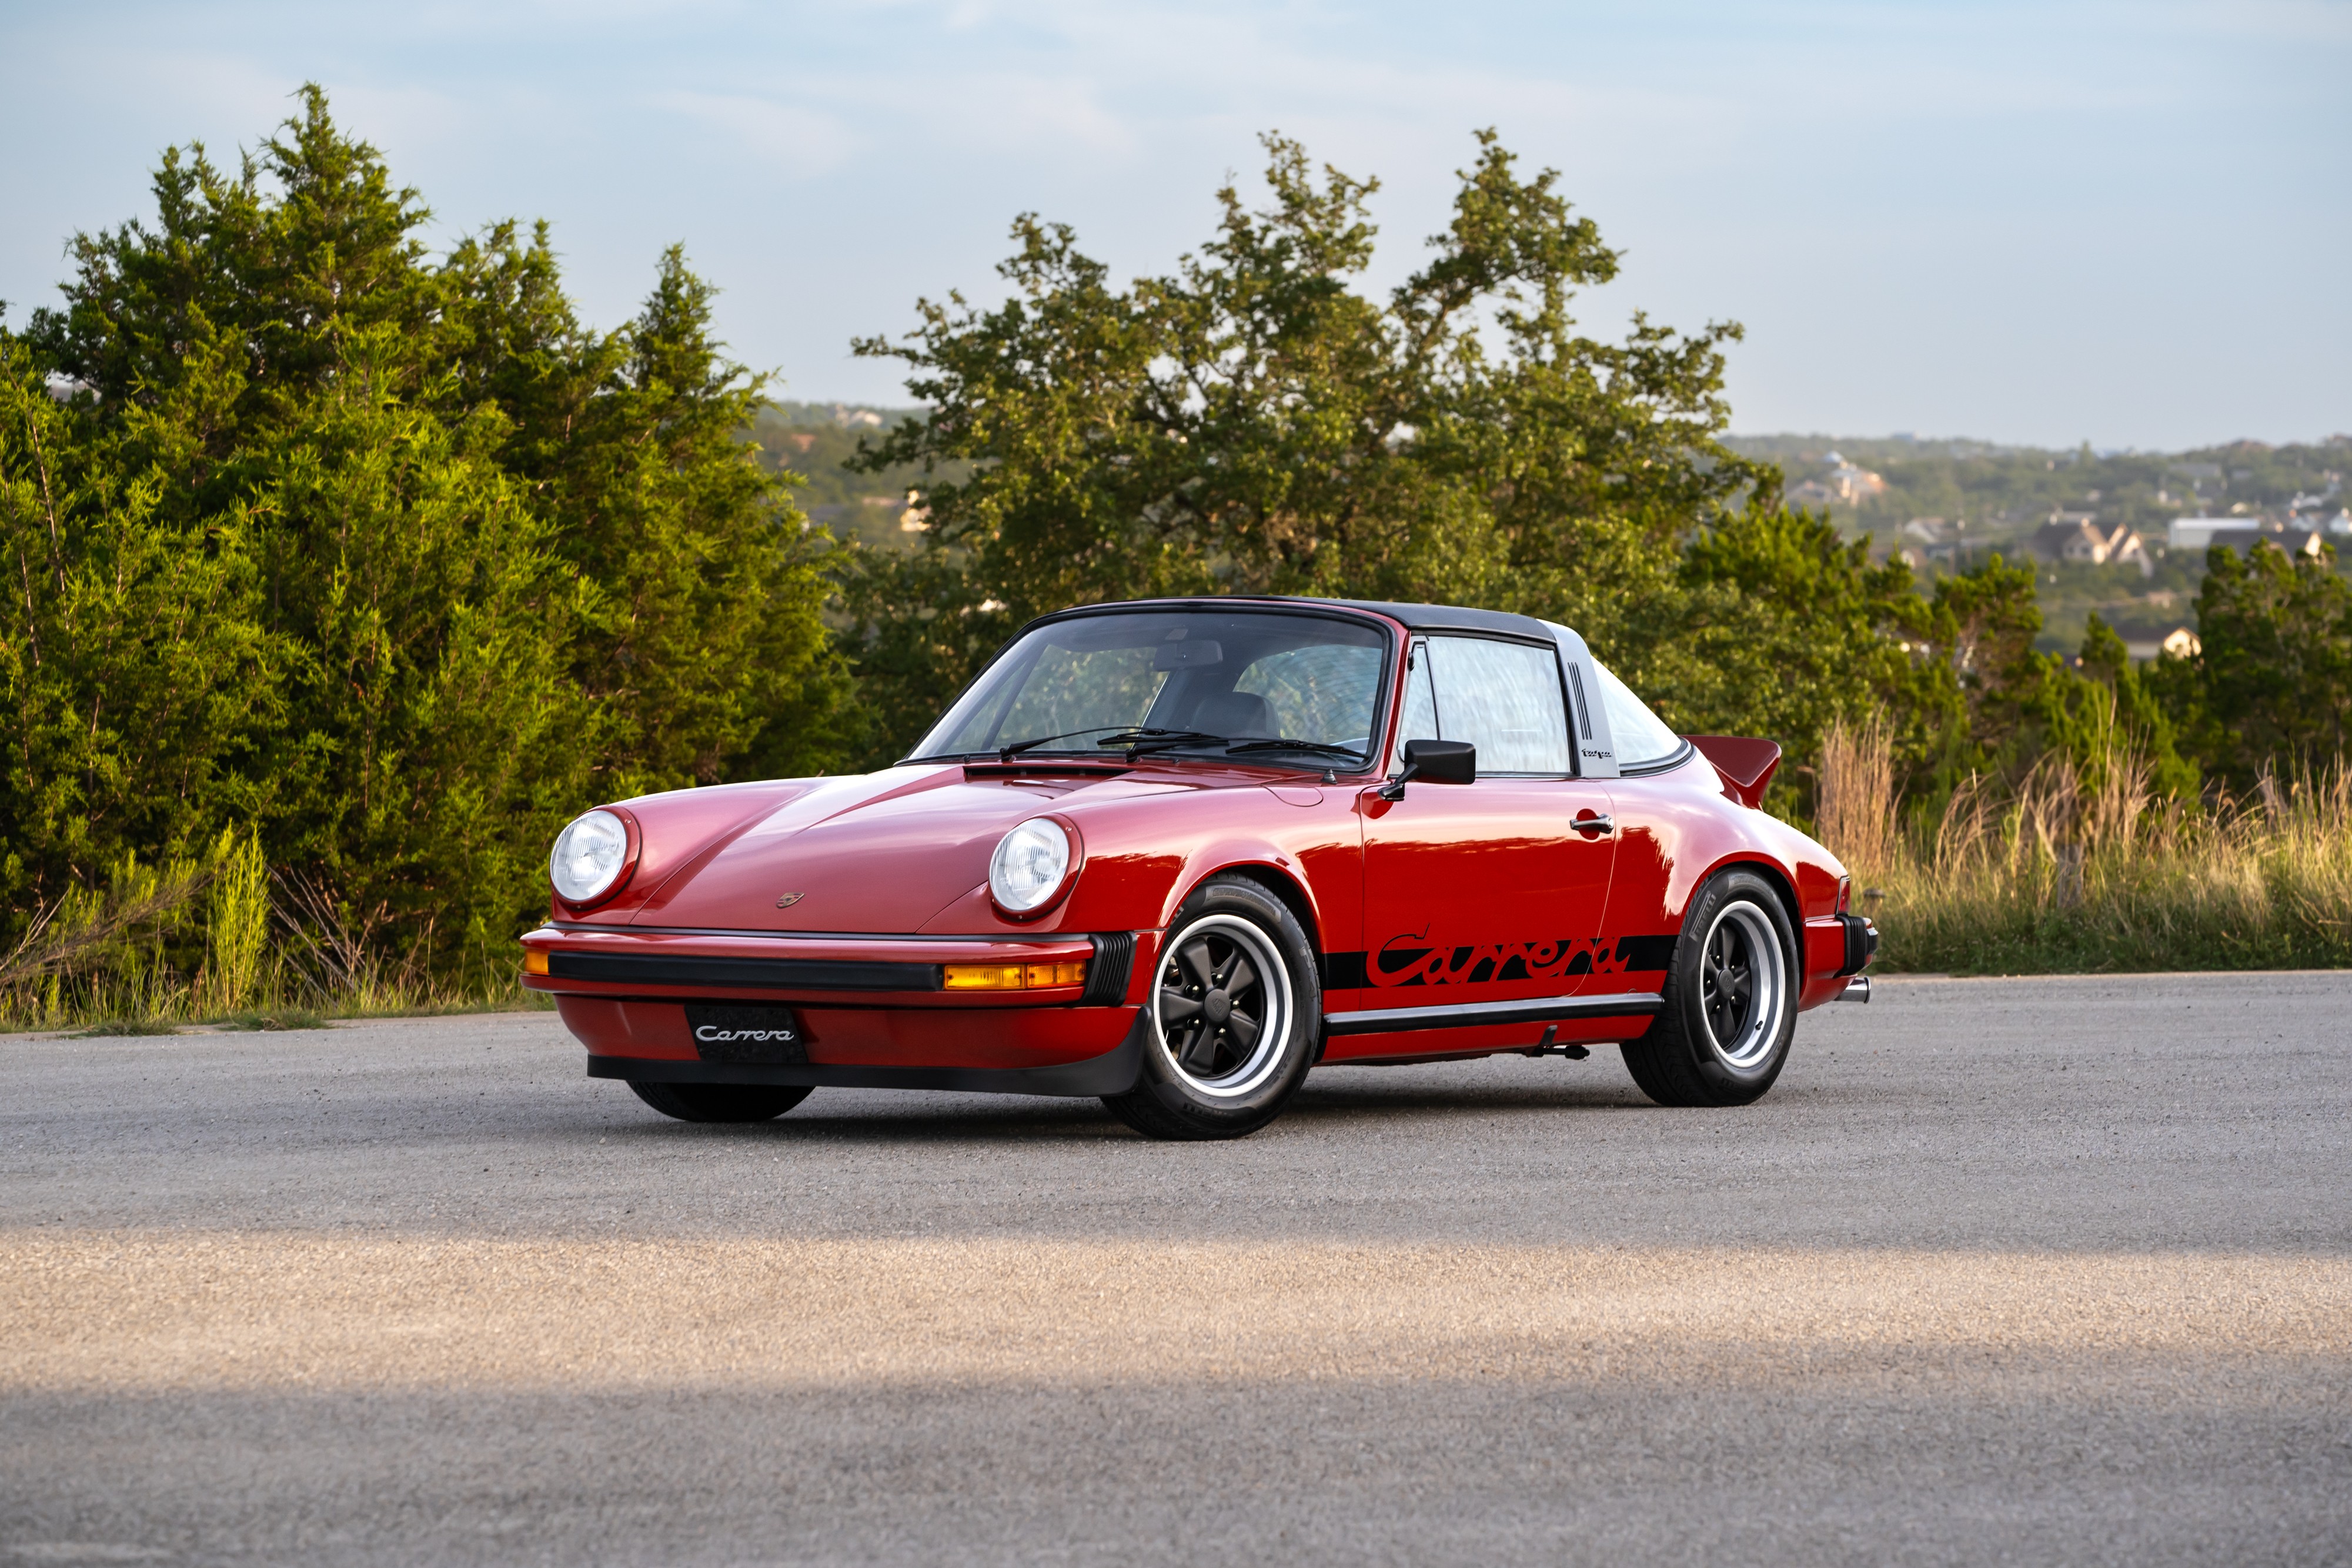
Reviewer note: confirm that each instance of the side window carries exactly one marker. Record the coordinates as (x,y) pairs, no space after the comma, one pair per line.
(1502,697)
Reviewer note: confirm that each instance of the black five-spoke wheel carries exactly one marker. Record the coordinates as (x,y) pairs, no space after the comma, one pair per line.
(1221,1004)
(1232,1019)
(1740,984)
(1730,1000)
(1212,1004)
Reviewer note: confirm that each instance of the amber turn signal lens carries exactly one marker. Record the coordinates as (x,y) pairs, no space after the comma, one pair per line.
(534,962)
(984,977)
(1015,977)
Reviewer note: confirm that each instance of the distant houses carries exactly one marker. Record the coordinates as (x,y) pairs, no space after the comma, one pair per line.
(2240,534)
(1846,484)
(2181,643)
(2077,538)
(1932,541)
(2323,511)
(1926,530)
(2312,520)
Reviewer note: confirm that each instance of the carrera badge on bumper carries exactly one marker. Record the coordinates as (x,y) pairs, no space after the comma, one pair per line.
(1044,1016)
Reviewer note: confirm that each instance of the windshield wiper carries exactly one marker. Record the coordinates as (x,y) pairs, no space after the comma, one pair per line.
(1142,739)
(1320,749)
(1007,753)
(1128,737)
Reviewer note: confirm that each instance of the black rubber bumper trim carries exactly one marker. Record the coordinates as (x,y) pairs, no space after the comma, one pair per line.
(1860,942)
(1106,976)
(757,974)
(1115,1071)
(1468,1015)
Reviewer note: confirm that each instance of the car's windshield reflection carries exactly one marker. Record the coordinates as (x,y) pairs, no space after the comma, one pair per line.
(1273,685)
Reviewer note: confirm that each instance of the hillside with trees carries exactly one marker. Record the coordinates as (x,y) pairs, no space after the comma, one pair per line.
(1952,504)
(364,566)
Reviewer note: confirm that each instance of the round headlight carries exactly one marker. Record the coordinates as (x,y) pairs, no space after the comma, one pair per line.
(589,854)
(1029,865)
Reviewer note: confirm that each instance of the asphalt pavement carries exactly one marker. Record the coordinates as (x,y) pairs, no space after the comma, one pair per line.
(2002,1272)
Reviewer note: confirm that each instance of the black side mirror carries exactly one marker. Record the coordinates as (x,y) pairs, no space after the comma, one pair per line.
(1435,761)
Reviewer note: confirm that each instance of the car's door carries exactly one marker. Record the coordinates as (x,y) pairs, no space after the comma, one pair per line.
(1488,892)
(1655,818)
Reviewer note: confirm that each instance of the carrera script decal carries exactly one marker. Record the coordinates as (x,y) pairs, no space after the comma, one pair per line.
(1410,960)
(746,1034)
(712,1034)
(1413,959)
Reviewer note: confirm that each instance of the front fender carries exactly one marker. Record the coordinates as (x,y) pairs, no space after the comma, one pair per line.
(1304,836)
(1145,855)
(1237,853)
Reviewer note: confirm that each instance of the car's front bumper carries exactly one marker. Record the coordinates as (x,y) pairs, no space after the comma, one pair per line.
(1112,1071)
(871,1010)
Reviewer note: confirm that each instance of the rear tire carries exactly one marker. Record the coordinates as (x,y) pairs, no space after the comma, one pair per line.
(1234,1010)
(720,1102)
(1731,999)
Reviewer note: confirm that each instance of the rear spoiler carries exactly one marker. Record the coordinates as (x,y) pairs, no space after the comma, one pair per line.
(1747,765)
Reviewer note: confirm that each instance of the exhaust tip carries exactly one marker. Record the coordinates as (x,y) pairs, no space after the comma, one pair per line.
(1856,989)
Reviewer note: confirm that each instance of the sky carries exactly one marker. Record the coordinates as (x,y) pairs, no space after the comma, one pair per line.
(2048,222)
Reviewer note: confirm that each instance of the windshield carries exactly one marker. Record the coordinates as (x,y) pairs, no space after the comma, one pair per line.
(1278,684)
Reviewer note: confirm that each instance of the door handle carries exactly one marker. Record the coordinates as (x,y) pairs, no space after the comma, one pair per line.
(1599,823)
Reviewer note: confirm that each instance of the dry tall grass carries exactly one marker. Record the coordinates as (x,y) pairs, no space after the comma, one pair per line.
(2070,871)
(1854,792)
(263,946)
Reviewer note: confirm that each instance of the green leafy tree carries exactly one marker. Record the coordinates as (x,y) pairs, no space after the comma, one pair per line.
(1983,625)
(2274,672)
(703,642)
(432,741)
(386,555)
(2139,709)
(1254,423)
(138,687)
(206,332)
(1777,626)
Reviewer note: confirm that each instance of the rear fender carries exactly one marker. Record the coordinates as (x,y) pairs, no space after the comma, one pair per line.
(1816,982)
(1776,875)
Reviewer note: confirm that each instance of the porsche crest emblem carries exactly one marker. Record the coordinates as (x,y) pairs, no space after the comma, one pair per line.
(788,900)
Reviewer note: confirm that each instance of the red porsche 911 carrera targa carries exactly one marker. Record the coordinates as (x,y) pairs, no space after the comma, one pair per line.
(1176,853)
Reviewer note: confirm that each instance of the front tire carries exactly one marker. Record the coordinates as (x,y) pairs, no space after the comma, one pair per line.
(1236,1008)
(1731,1000)
(720,1102)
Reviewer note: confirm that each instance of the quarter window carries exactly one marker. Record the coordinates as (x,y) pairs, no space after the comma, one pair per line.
(1641,737)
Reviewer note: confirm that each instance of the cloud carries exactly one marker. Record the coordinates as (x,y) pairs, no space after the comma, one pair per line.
(800,142)
(1997,190)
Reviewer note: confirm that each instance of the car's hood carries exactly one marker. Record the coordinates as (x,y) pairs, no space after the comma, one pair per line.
(876,853)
